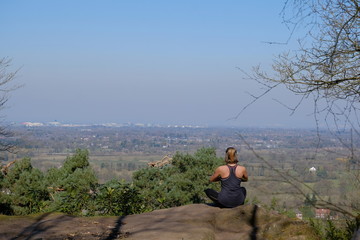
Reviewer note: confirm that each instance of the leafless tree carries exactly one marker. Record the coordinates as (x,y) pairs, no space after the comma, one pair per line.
(5,88)
(327,64)
(324,68)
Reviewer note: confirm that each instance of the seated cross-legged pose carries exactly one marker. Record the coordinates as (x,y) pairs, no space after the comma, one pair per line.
(231,175)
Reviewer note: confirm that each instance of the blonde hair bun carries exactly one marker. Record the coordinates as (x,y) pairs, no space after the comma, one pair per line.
(231,155)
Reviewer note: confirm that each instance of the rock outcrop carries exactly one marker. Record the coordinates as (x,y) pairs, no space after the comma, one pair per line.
(199,221)
(190,222)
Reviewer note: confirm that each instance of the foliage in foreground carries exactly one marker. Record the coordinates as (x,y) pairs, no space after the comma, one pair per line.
(71,185)
(118,198)
(26,190)
(182,182)
(333,230)
(74,189)
(23,189)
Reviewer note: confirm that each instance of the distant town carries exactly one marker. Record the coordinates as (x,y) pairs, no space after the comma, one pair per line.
(159,139)
(59,124)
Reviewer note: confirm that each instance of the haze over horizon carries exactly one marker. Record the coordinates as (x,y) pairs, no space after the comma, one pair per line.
(158,62)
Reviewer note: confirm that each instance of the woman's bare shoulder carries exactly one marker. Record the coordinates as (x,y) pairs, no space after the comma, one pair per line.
(241,172)
(240,169)
(223,168)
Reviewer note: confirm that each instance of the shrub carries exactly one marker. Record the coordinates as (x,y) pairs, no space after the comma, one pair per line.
(118,198)
(72,186)
(182,182)
(23,189)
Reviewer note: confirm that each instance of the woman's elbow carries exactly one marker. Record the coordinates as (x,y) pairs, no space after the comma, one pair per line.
(214,179)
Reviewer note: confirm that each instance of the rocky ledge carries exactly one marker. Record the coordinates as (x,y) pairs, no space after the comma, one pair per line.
(190,222)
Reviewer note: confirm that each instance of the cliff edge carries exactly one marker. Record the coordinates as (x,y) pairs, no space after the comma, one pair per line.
(190,222)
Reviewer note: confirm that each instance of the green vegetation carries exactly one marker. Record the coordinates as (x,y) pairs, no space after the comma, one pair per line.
(335,229)
(182,182)
(74,188)
(118,198)
(27,190)
(71,185)
(23,189)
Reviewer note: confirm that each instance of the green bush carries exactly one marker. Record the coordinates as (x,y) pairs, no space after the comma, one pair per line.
(335,229)
(23,188)
(118,198)
(182,182)
(72,186)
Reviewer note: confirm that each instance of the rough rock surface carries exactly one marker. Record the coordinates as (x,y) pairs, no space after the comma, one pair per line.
(190,222)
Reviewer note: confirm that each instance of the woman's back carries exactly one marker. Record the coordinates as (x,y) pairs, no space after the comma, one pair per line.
(231,194)
(240,171)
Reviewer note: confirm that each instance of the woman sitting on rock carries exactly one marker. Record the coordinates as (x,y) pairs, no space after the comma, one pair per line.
(231,175)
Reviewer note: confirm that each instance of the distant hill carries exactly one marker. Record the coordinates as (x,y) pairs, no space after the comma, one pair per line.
(190,222)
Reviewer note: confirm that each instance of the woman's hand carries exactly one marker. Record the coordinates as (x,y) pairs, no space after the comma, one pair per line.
(244,177)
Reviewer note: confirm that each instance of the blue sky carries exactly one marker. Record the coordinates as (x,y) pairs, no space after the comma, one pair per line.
(168,62)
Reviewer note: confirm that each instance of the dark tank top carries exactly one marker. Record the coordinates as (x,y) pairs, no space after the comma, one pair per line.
(231,194)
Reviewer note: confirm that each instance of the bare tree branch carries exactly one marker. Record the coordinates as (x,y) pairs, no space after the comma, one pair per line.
(326,67)
(298,185)
(5,88)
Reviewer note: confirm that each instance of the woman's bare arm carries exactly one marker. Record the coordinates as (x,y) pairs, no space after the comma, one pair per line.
(216,176)
(245,177)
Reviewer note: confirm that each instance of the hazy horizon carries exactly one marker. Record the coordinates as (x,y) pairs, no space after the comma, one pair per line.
(155,62)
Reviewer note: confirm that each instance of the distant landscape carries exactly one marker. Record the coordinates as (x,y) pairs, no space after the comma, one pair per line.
(117,151)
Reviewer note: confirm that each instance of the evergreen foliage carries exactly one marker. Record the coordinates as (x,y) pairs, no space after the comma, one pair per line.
(23,189)
(118,198)
(335,229)
(72,186)
(182,182)
(69,189)
(74,189)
